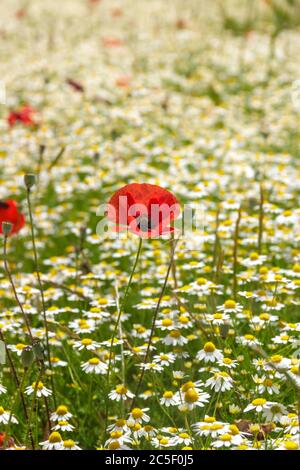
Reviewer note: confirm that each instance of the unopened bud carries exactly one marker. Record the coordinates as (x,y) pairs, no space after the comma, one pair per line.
(6,228)
(27,356)
(29,180)
(38,349)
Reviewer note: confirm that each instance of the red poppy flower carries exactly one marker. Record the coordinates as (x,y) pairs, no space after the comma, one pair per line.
(145,209)
(24,115)
(9,213)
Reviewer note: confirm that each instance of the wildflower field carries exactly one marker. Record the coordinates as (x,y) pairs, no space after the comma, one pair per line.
(120,329)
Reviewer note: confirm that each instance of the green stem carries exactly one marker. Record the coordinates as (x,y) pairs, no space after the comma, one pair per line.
(41,291)
(118,321)
(153,323)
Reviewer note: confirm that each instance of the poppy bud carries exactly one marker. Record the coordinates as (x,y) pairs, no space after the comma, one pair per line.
(6,228)
(38,349)
(29,180)
(27,356)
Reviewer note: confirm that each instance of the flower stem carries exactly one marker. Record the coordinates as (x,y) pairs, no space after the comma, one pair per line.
(19,387)
(235,252)
(7,270)
(122,307)
(120,311)
(41,291)
(154,321)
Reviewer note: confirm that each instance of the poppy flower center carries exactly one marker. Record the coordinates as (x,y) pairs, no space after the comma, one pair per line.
(4,205)
(144,223)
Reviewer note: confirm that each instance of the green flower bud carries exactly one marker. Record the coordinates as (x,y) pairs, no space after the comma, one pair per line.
(6,228)
(29,180)
(27,356)
(38,349)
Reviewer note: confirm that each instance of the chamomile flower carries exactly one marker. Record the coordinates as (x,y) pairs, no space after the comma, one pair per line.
(69,444)
(86,343)
(258,404)
(2,389)
(5,416)
(118,441)
(208,427)
(138,415)
(220,382)
(63,426)
(164,359)
(169,399)
(94,366)
(17,348)
(218,319)
(54,442)
(227,363)
(273,411)
(192,398)
(228,440)
(230,306)
(174,338)
(182,438)
(209,353)
(62,413)
(41,390)
(121,392)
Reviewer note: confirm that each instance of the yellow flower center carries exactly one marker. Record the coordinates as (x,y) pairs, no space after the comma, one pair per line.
(234,429)
(184,435)
(94,361)
(121,389)
(185,387)
(276,358)
(61,410)
(268,383)
(230,304)
(201,281)
(264,316)
(55,437)
(69,443)
(175,334)
(227,360)
(218,316)
(167,322)
(226,437)
(62,423)
(291,445)
(209,347)
(114,445)
(39,386)
(164,441)
(209,419)
(137,413)
(191,396)
(86,341)
(259,402)
(254,256)
(216,426)
(116,434)
(168,394)
(249,337)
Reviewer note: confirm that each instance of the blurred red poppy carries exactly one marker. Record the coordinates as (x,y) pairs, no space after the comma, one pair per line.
(112,41)
(9,213)
(24,115)
(3,438)
(144,209)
